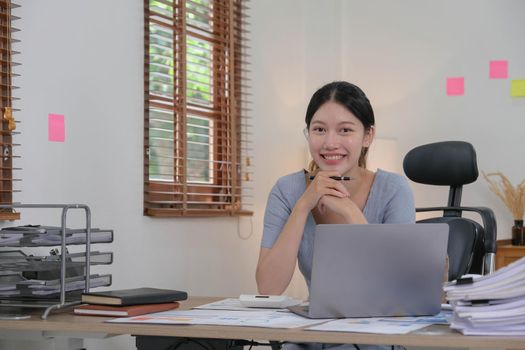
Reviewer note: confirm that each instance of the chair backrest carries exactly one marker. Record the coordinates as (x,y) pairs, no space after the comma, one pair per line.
(465,245)
(471,246)
(449,163)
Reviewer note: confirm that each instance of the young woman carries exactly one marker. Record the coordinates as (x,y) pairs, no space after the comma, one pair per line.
(337,189)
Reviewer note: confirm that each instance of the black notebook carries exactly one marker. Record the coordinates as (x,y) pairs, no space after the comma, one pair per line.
(134,296)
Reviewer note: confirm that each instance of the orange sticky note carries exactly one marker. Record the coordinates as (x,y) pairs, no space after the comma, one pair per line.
(56,129)
(498,69)
(455,86)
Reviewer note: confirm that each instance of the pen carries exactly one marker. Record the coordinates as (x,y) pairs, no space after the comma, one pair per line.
(338,178)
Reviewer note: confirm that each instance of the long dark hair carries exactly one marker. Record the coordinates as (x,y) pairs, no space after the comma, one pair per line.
(349,96)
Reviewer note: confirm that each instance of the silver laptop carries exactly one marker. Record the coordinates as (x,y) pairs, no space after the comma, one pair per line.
(376,270)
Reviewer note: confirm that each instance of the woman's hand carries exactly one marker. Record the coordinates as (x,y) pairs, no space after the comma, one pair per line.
(343,206)
(322,185)
(335,204)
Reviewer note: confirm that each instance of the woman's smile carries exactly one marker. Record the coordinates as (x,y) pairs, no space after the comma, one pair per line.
(332,159)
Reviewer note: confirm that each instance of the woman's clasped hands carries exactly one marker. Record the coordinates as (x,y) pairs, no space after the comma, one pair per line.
(326,193)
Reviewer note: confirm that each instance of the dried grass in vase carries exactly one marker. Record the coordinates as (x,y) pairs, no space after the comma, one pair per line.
(512,197)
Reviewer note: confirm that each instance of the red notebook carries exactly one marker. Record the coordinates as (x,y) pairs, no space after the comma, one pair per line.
(123,311)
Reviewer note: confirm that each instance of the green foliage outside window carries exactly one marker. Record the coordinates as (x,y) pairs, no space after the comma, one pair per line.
(199,69)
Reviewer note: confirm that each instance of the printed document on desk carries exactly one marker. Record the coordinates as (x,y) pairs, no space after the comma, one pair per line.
(233,304)
(266,319)
(382,325)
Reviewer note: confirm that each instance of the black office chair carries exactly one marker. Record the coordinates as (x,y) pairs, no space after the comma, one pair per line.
(471,246)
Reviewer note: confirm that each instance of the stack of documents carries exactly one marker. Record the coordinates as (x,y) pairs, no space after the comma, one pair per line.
(20,288)
(18,261)
(37,235)
(492,304)
(28,276)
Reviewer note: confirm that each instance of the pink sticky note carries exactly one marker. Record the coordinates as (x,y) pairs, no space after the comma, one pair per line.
(56,129)
(499,69)
(455,86)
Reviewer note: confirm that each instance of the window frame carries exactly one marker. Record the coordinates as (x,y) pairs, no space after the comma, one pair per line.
(231,162)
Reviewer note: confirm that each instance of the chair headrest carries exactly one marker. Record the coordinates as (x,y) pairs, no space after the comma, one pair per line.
(449,163)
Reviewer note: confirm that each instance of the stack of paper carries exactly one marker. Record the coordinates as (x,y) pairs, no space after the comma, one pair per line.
(18,261)
(32,288)
(492,304)
(382,325)
(37,235)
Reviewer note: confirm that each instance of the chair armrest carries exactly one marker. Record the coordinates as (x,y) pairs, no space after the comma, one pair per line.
(487,217)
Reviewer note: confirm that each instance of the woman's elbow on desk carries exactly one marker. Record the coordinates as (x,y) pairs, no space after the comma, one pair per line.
(275,269)
(267,283)
(266,289)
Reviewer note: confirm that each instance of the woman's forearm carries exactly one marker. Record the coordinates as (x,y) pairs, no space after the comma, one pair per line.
(354,215)
(277,264)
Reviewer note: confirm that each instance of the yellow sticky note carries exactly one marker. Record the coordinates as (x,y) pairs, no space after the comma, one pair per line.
(517,88)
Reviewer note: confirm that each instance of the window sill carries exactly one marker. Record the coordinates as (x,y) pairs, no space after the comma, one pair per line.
(194,213)
(9,216)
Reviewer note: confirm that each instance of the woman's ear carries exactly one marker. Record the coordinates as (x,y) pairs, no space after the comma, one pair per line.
(369,136)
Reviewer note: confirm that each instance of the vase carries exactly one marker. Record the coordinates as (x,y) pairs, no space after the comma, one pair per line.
(518,236)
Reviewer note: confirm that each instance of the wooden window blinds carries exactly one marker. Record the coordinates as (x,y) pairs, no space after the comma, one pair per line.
(196,129)
(7,111)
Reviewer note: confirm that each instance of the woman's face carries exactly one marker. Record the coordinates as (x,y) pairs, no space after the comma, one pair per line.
(336,137)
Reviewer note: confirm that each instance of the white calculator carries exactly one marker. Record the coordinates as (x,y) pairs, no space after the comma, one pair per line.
(267,301)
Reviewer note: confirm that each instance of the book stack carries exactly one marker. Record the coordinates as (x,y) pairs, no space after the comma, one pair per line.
(490,305)
(130,302)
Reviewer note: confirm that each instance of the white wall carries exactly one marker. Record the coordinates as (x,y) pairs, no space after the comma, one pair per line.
(289,62)
(84,59)
(401,52)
